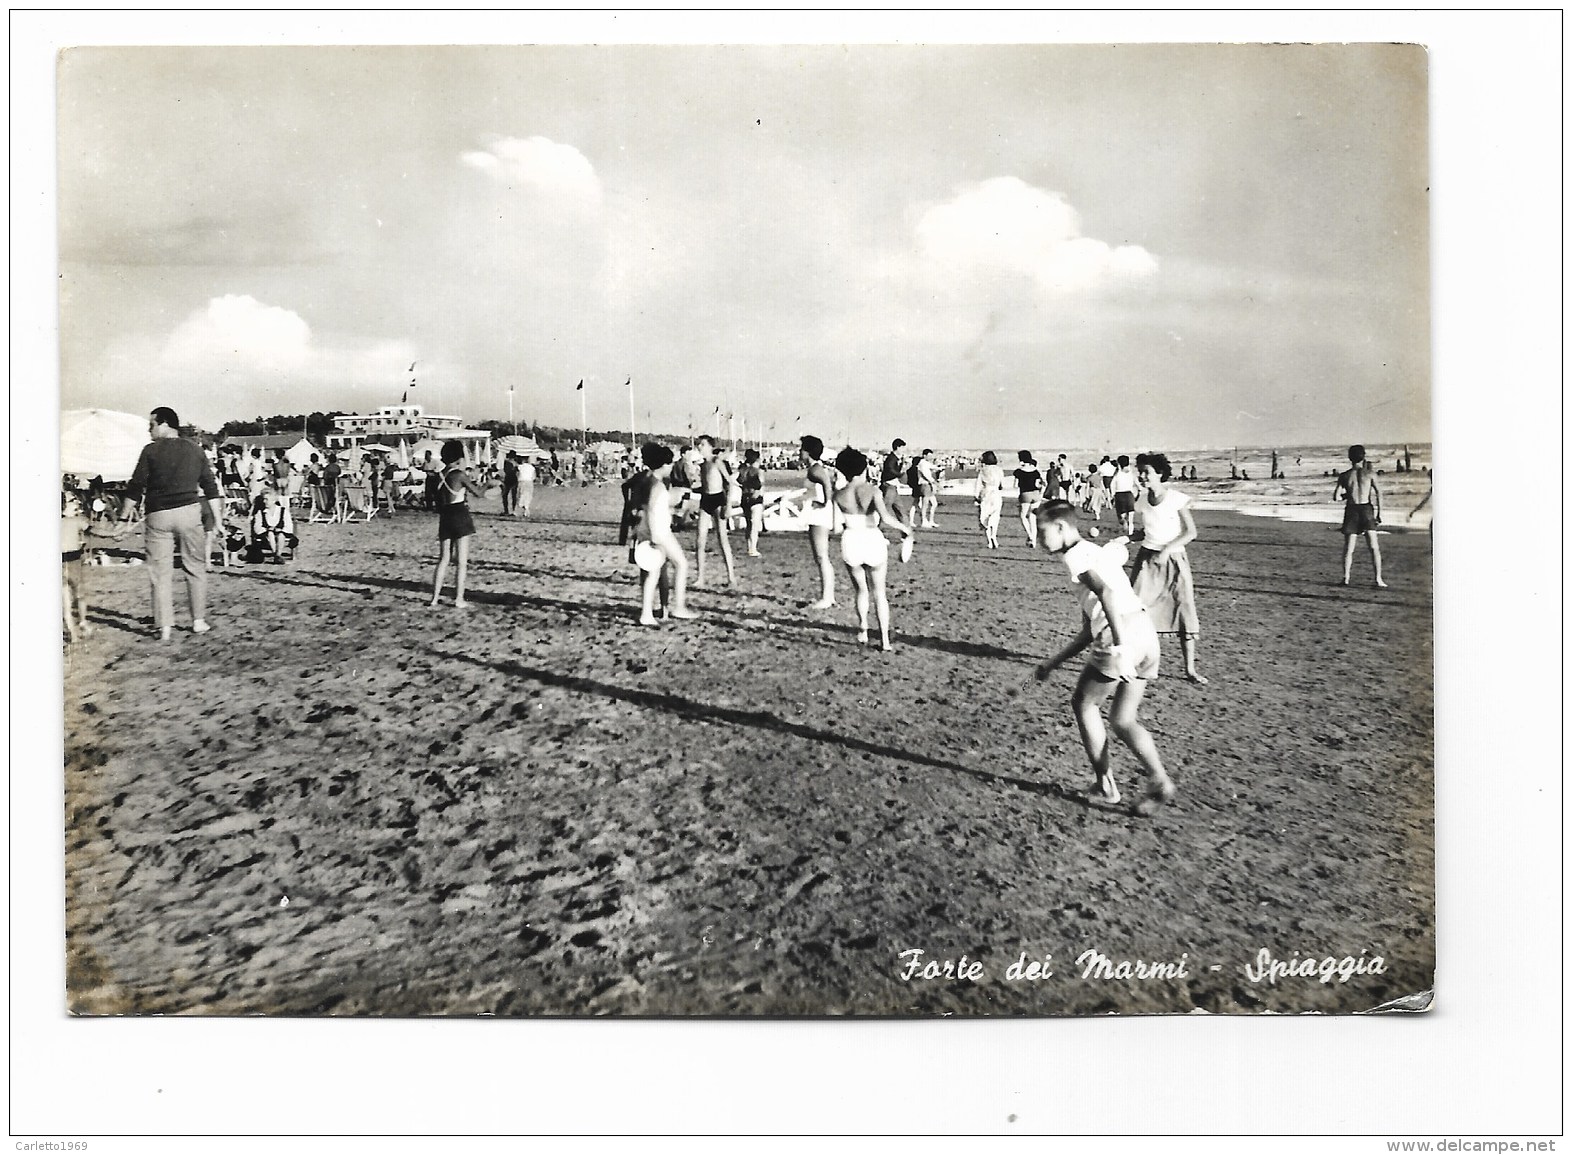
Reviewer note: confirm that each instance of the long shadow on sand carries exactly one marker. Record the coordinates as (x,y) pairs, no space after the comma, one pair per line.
(622,611)
(617,610)
(754,719)
(1345,594)
(115,620)
(925,641)
(483,565)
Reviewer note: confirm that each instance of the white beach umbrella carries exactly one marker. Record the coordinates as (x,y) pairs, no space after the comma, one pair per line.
(101,443)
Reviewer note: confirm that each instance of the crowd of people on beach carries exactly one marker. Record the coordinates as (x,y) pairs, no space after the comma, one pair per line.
(1126,602)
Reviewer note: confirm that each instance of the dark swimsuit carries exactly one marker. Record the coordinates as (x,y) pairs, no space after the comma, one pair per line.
(453,518)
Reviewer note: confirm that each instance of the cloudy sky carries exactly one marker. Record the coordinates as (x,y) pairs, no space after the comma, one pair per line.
(965,246)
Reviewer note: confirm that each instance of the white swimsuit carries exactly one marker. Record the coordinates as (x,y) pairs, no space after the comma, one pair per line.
(819,514)
(864,544)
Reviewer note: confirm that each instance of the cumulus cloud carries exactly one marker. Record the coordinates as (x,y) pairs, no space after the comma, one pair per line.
(241,330)
(537,164)
(1005,225)
(236,356)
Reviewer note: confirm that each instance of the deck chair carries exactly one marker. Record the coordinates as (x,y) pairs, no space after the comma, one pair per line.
(358,505)
(324,505)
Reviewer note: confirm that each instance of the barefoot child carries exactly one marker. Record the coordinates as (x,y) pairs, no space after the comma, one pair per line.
(1124,655)
(455,526)
(656,549)
(73,565)
(752,483)
(1361,511)
(715,482)
(819,513)
(863,546)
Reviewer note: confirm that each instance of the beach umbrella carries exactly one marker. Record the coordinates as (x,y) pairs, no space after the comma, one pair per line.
(515,444)
(418,451)
(608,449)
(101,443)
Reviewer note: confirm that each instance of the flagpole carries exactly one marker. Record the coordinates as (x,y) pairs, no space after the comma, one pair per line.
(510,412)
(633,423)
(583,416)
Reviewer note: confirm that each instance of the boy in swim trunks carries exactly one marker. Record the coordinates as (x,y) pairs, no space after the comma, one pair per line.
(1124,655)
(715,482)
(1361,511)
(656,549)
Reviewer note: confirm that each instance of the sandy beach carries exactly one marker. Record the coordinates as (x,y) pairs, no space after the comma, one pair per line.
(342,802)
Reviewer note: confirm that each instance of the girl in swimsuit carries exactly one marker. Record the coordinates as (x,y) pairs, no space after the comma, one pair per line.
(863,546)
(752,483)
(455,526)
(1030,482)
(820,516)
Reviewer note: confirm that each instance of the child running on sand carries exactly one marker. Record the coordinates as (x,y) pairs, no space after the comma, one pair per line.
(1361,511)
(455,526)
(1124,655)
(819,513)
(715,482)
(863,546)
(656,549)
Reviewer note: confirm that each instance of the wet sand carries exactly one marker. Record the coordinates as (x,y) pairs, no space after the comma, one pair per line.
(342,802)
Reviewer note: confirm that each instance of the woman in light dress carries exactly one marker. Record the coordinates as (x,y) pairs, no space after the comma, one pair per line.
(864,548)
(990,496)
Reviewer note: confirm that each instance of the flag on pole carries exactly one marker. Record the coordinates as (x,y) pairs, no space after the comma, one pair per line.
(579,386)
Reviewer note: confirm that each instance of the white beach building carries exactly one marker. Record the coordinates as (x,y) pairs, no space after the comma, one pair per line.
(400,427)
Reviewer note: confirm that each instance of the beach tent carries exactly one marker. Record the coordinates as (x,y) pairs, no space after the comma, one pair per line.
(294,446)
(101,443)
(609,450)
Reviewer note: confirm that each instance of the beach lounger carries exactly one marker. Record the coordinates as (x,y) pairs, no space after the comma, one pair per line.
(358,505)
(324,504)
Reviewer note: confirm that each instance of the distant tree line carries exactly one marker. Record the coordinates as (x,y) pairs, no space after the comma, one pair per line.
(316,426)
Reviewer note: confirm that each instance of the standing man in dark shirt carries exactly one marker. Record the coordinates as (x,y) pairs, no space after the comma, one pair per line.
(332,476)
(890,479)
(176,477)
(510,483)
